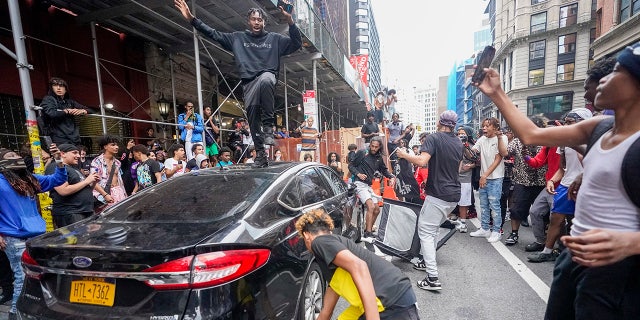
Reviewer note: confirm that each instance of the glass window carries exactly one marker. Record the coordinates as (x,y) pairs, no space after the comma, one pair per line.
(538,22)
(537,50)
(568,15)
(537,1)
(339,187)
(313,187)
(550,106)
(628,9)
(291,194)
(565,72)
(536,77)
(567,43)
(362,25)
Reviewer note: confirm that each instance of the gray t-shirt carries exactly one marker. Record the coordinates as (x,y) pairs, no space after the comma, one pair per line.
(446,153)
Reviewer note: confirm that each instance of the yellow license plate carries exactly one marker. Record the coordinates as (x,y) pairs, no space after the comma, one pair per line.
(97,291)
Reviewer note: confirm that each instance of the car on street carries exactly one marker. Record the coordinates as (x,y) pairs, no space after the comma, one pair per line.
(212,244)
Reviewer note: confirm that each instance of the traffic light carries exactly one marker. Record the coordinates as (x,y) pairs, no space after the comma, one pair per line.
(419,128)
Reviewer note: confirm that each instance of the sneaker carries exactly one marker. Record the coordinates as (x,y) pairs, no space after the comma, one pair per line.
(261,161)
(461,227)
(368,236)
(501,231)
(420,265)
(534,247)
(494,237)
(268,136)
(511,239)
(481,233)
(541,257)
(430,283)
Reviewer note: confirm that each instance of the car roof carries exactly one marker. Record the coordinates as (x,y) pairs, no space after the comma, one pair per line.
(274,167)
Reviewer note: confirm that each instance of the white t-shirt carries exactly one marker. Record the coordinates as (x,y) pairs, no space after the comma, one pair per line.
(573,167)
(488,148)
(603,202)
(189,133)
(171,163)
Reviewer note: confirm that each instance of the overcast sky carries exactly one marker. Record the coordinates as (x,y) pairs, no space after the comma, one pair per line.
(422,39)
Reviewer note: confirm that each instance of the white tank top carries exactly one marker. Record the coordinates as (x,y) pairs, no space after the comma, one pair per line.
(602,201)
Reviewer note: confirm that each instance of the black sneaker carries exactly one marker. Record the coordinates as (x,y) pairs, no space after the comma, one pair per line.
(511,239)
(534,247)
(261,160)
(6,297)
(542,257)
(430,283)
(369,236)
(420,265)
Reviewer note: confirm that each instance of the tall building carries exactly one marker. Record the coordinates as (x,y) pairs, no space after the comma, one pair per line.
(542,52)
(421,109)
(364,42)
(616,26)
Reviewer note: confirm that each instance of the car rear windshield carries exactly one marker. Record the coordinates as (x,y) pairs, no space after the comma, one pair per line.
(193,198)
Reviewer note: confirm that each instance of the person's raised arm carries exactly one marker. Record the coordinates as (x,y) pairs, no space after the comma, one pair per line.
(420,160)
(184,9)
(524,128)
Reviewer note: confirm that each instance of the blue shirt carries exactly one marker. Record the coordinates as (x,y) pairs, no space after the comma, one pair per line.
(19,215)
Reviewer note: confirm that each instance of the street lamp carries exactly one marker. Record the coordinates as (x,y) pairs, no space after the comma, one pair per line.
(163,107)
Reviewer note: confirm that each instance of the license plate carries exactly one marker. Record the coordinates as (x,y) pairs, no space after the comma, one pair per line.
(98,291)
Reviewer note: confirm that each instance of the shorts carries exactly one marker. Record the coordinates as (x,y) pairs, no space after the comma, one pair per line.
(561,203)
(365,192)
(465,194)
(212,150)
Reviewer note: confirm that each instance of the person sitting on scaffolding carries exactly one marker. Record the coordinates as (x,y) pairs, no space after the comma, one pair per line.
(257,54)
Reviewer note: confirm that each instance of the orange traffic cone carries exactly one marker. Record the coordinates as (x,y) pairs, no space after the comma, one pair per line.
(389,192)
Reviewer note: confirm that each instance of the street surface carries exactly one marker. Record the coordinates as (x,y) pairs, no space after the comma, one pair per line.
(480,280)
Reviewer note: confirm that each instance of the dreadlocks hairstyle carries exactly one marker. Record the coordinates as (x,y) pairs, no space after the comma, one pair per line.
(314,221)
(379,140)
(259,11)
(22,181)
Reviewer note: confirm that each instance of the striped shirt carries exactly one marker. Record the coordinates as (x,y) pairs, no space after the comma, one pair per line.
(309,135)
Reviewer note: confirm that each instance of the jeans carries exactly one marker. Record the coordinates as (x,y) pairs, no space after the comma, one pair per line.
(490,201)
(15,248)
(434,211)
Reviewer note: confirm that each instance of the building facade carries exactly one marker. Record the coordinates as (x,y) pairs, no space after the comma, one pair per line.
(617,26)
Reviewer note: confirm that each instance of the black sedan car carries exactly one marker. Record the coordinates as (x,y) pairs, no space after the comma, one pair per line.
(216,244)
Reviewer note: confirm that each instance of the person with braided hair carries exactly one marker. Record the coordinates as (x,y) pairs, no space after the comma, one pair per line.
(19,216)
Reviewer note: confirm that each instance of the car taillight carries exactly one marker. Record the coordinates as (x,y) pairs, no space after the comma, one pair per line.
(207,269)
(27,260)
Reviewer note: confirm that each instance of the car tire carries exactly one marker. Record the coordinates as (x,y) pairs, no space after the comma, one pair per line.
(312,297)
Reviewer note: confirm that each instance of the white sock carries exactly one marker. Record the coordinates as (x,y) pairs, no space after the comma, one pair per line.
(463,220)
(547,250)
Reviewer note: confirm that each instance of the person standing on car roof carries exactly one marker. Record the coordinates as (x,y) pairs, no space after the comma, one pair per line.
(257,54)
(374,287)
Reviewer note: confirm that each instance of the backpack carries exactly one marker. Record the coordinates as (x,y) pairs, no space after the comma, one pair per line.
(630,169)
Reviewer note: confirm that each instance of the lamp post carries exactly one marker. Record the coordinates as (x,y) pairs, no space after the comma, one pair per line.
(163,109)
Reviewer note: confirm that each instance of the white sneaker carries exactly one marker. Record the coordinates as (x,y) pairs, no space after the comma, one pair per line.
(481,233)
(495,237)
(461,227)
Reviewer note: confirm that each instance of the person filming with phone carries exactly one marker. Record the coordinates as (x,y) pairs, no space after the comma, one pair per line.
(257,54)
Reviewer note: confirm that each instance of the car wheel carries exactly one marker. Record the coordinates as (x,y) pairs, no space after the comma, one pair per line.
(312,294)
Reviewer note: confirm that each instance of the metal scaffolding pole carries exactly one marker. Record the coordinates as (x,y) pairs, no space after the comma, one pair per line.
(286,99)
(173,95)
(98,77)
(196,52)
(315,89)
(25,83)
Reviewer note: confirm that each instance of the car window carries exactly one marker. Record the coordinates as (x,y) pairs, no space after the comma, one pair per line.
(313,187)
(291,194)
(339,187)
(193,198)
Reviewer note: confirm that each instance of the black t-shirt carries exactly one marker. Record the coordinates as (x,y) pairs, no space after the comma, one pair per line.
(389,282)
(369,128)
(146,173)
(79,202)
(446,153)
(192,165)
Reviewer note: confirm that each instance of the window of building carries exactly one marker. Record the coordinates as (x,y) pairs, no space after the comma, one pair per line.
(536,77)
(567,43)
(565,72)
(362,38)
(362,12)
(537,50)
(568,15)
(592,37)
(362,25)
(551,106)
(628,9)
(538,22)
(533,2)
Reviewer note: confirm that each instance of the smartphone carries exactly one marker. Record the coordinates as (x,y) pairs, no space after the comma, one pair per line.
(483,61)
(179,161)
(47,142)
(288,7)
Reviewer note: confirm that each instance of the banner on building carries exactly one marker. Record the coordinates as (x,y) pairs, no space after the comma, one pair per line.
(310,106)
(361,64)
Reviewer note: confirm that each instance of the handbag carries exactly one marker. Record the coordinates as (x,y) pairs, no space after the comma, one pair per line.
(99,202)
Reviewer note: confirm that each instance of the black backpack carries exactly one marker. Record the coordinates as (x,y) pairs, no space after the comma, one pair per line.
(630,163)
